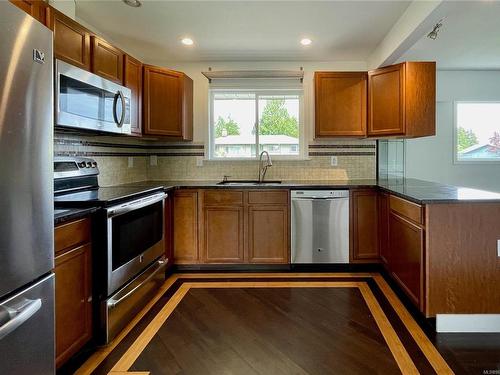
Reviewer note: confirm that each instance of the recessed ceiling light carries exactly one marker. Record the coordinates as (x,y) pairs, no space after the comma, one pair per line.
(133,3)
(306,41)
(187,41)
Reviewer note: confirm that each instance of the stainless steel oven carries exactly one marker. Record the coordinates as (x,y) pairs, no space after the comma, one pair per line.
(136,260)
(135,238)
(89,102)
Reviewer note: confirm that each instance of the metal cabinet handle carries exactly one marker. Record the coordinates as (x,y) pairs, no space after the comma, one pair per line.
(120,95)
(20,316)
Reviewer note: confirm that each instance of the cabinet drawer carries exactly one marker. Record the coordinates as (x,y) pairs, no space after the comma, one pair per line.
(71,234)
(224,198)
(407,209)
(268,197)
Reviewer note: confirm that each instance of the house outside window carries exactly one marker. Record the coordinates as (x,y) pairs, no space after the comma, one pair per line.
(243,123)
(477,132)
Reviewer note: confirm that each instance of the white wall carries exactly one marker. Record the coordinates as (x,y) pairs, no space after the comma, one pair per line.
(431,158)
(200,109)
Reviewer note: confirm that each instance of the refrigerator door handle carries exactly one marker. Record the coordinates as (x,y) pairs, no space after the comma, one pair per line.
(19,316)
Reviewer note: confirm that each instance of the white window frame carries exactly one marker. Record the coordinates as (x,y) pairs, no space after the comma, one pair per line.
(259,92)
(456,160)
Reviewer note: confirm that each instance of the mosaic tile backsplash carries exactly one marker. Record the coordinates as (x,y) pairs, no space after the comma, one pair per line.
(123,160)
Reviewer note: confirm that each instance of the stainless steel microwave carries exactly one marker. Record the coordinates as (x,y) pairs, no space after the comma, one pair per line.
(86,101)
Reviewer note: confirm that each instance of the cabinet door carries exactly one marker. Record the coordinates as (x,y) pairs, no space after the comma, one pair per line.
(107,61)
(35,8)
(386,102)
(133,80)
(162,102)
(268,239)
(73,301)
(186,227)
(223,234)
(406,242)
(364,226)
(71,41)
(383,215)
(340,104)
(169,230)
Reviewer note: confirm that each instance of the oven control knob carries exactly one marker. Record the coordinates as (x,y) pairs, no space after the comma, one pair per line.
(94,165)
(81,164)
(89,164)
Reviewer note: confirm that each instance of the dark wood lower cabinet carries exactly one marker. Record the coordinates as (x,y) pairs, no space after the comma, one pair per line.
(364,226)
(186,227)
(73,271)
(223,234)
(383,227)
(406,248)
(268,234)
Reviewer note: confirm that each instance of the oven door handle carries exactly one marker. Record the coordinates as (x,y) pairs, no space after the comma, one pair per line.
(112,302)
(135,205)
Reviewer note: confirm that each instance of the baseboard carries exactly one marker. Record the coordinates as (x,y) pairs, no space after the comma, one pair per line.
(468,323)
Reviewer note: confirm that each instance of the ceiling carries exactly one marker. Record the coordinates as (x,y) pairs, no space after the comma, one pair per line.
(468,39)
(244,30)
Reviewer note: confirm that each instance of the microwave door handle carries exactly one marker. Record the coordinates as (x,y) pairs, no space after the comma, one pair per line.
(119,95)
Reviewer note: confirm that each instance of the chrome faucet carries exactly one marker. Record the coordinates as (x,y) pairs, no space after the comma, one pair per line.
(264,165)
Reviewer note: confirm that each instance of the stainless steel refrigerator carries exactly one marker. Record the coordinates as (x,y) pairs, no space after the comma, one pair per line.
(26,195)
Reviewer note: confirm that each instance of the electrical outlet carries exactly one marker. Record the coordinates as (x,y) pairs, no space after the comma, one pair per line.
(334,161)
(199,161)
(131,162)
(153,160)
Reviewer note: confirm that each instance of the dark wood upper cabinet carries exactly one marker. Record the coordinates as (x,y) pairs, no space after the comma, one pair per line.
(168,103)
(340,104)
(35,8)
(71,40)
(364,226)
(107,60)
(132,78)
(402,100)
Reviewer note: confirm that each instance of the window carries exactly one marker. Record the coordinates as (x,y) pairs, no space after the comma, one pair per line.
(477,131)
(245,123)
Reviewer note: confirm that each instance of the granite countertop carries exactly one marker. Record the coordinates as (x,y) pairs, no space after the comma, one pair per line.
(67,214)
(418,191)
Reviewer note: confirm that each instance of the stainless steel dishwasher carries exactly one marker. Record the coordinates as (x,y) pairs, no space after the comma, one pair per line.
(320,226)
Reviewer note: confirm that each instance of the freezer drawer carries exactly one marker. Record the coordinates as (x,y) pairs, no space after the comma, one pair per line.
(27,330)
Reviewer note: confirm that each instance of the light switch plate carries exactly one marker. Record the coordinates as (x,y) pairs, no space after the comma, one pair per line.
(131,162)
(334,161)
(153,160)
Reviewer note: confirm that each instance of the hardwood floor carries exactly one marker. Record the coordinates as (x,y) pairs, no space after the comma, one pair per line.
(264,330)
(286,323)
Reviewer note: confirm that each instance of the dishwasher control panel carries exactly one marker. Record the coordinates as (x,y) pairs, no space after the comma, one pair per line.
(319,194)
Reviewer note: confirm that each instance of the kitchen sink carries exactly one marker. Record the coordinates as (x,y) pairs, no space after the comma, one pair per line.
(248,183)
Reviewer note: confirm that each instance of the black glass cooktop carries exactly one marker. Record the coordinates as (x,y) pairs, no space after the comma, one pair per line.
(103,196)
